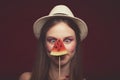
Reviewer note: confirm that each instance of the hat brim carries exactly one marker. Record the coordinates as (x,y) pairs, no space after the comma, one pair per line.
(41,21)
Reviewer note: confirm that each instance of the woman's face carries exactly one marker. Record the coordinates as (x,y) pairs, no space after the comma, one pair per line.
(61,31)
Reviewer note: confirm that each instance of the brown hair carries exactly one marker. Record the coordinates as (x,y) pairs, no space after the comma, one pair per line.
(42,64)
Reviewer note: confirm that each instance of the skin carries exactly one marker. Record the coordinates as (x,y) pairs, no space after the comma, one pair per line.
(25,76)
(67,35)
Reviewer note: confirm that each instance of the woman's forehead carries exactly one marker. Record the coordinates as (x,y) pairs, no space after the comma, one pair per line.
(65,37)
(60,29)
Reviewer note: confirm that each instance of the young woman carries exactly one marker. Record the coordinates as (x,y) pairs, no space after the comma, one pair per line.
(60,24)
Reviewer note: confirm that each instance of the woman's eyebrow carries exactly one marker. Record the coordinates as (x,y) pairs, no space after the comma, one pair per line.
(50,37)
(70,37)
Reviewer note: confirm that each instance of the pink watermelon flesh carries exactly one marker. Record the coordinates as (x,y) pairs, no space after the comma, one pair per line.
(58,48)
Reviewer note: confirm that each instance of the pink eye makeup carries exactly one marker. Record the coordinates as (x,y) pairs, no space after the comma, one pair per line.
(68,40)
(51,40)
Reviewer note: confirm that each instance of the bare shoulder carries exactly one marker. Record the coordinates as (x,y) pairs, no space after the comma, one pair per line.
(25,76)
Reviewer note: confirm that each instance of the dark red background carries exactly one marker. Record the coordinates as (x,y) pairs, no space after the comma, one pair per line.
(101,48)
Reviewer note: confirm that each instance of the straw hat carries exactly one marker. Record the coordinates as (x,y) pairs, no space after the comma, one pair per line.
(61,11)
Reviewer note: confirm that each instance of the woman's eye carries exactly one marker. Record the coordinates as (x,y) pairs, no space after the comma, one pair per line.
(67,40)
(52,41)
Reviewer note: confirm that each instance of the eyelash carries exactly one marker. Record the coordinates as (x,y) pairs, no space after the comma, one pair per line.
(68,40)
(51,40)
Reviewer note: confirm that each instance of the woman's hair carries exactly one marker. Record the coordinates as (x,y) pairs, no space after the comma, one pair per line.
(42,64)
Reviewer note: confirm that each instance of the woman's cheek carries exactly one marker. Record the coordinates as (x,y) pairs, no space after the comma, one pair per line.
(49,47)
(71,48)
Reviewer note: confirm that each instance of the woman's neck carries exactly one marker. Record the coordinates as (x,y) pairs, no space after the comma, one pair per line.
(54,71)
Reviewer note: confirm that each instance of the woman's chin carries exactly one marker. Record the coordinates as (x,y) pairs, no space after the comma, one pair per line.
(61,60)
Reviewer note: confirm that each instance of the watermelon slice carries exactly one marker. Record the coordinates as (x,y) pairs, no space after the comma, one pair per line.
(58,49)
